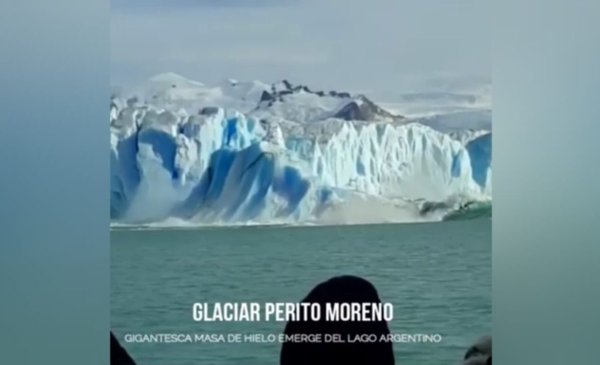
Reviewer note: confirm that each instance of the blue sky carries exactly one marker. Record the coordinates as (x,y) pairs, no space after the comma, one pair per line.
(371,46)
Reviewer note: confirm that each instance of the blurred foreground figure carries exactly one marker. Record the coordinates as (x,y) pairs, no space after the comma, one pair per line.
(480,353)
(343,289)
(118,355)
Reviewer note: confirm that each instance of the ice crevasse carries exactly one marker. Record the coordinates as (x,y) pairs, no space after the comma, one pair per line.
(225,167)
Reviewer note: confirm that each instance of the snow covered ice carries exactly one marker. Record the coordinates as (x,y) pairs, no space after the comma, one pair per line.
(249,152)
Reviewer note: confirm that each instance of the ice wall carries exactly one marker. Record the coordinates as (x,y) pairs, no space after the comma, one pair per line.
(223,167)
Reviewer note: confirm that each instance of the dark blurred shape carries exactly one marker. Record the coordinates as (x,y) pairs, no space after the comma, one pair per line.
(118,355)
(343,289)
(480,353)
(209,110)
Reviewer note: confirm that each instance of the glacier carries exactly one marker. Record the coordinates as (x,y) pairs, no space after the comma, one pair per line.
(225,166)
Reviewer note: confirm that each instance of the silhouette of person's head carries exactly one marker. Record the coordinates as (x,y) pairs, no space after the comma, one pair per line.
(343,289)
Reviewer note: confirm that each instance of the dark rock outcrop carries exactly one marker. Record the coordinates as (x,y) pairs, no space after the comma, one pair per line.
(351,111)
(363,109)
(287,84)
(209,110)
(266,96)
(358,108)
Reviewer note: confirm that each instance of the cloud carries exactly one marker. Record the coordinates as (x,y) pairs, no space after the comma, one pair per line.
(262,55)
(333,43)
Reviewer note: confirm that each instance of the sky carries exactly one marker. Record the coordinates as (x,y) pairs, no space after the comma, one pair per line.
(375,46)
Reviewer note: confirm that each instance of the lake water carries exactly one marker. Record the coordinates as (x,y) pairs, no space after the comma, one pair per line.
(437,275)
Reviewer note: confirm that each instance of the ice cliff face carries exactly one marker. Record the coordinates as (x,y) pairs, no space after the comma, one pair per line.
(225,166)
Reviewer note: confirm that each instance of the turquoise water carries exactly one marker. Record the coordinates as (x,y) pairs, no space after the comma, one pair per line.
(438,275)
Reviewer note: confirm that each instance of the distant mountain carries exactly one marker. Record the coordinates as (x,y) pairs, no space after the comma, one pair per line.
(296,103)
(299,102)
